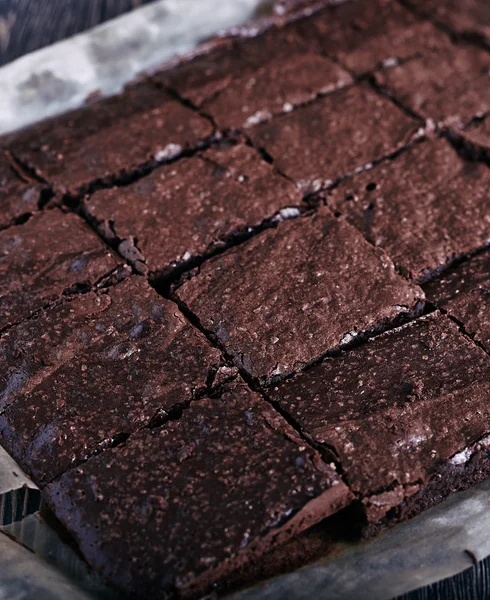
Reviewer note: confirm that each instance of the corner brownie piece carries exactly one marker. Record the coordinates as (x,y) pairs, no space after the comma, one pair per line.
(253,79)
(18,197)
(119,360)
(403,414)
(177,508)
(281,300)
(368,35)
(108,138)
(334,136)
(426,208)
(466,18)
(464,293)
(185,211)
(450,84)
(43,260)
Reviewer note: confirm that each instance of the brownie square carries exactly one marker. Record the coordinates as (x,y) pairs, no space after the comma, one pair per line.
(179,507)
(368,35)
(123,358)
(405,414)
(112,137)
(464,293)
(43,260)
(466,18)
(19,197)
(336,135)
(184,212)
(426,208)
(284,298)
(450,84)
(251,80)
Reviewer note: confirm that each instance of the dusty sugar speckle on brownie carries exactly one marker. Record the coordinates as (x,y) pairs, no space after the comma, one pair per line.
(190,209)
(449,84)
(426,208)
(245,83)
(141,357)
(365,36)
(464,293)
(466,18)
(109,138)
(51,255)
(304,144)
(395,424)
(221,485)
(279,301)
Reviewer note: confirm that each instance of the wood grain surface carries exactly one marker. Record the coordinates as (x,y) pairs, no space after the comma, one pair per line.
(26,25)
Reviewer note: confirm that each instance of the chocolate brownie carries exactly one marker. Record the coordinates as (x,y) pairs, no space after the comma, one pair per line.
(467,18)
(19,196)
(401,414)
(185,211)
(111,137)
(449,84)
(368,35)
(335,135)
(253,79)
(473,139)
(425,208)
(134,357)
(179,507)
(464,293)
(279,301)
(43,260)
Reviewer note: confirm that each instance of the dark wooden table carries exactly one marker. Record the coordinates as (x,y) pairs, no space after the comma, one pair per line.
(27,25)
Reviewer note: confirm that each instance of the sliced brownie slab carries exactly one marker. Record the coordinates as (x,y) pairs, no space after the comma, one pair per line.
(118,359)
(406,414)
(177,508)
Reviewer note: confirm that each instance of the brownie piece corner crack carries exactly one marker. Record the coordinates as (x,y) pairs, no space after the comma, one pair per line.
(426,208)
(184,212)
(19,197)
(305,144)
(405,414)
(50,256)
(464,293)
(281,300)
(365,36)
(250,80)
(111,138)
(467,19)
(449,84)
(177,508)
(111,363)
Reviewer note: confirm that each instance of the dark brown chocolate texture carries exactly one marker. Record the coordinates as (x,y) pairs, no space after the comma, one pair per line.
(464,294)
(291,294)
(19,196)
(449,84)
(133,357)
(402,413)
(51,256)
(425,208)
(365,36)
(187,210)
(248,81)
(305,144)
(468,19)
(216,496)
(110,137)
